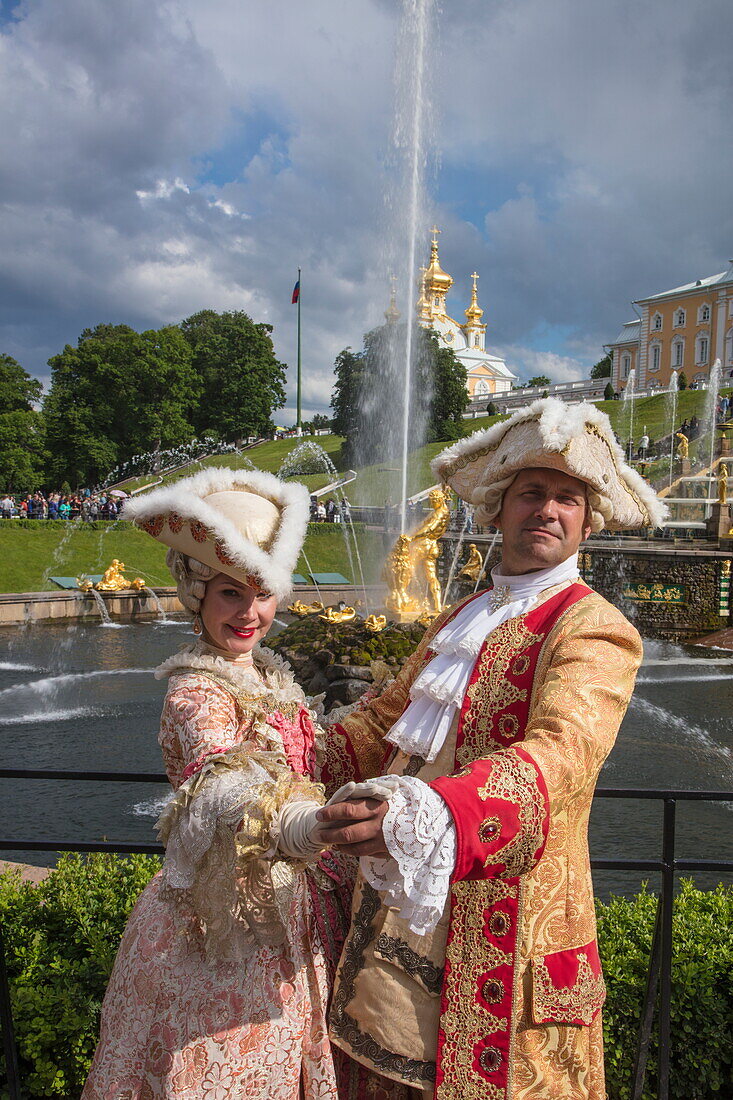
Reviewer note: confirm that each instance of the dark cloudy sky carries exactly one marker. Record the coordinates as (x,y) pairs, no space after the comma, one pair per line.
(163,156)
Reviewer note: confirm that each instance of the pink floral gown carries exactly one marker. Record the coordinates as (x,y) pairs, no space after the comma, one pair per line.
(174,1023)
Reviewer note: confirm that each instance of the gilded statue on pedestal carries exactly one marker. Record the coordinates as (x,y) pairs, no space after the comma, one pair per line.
(425,550)
(683,447)
(411,567)
(398,570)
(722,483)
(474,566)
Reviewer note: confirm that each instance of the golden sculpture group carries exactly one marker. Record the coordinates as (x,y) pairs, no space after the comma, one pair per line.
(112,580)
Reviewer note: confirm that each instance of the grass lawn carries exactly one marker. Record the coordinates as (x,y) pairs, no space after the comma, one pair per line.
(32,552)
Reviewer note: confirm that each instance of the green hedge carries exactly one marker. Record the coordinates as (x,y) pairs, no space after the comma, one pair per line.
(702,991)
(61,938)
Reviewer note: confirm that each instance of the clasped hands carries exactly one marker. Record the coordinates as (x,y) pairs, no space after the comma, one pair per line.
(351,822)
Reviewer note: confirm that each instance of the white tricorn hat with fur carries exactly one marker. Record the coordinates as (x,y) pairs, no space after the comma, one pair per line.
(240,522)
(576,439)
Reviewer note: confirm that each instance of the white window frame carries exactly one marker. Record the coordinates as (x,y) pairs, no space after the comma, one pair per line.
(678,353)
(703,314)
(625,364)
(680,318)
(702,338)
(481,389)
(655,355)
(657,322)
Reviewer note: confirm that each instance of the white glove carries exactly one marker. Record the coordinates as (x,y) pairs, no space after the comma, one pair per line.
(298,829)
(381,789)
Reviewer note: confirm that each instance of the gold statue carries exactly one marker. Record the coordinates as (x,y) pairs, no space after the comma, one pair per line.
(425,550)
(722,483)
(112,580)
(341,614)
(411,566)
(683,447)
(302,609)
(375,623)
(398,570)
(474,566)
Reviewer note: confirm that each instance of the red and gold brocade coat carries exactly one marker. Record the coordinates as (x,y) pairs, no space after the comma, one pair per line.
(521,987)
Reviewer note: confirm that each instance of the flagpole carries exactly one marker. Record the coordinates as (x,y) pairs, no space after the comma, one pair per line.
(298,422)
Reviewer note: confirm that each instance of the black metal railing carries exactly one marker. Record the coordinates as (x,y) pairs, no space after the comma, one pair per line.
(659,975)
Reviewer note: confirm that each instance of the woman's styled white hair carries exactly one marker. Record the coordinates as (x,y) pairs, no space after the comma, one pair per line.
(488,500)
(190,576)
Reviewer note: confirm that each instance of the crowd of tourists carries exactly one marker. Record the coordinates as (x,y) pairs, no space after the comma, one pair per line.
(329,511)
(82,505)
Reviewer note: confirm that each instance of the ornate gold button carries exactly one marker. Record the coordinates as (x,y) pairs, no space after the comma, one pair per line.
(490,1059)
(498,924)
(492,991)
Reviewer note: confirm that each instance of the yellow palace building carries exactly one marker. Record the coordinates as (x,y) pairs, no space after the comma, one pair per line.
(487,373)
(685,329)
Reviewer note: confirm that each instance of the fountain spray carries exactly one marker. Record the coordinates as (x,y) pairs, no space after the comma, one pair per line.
(671,402)
(410,139)
(711,415)
(629,394)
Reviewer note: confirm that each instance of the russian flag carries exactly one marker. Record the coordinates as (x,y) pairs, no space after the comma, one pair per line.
(296,293)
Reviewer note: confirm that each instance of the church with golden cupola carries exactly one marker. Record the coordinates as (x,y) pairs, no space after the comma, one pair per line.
(487,373)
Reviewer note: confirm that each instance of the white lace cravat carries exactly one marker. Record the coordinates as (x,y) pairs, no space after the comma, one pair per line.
(418,828)
(438,691)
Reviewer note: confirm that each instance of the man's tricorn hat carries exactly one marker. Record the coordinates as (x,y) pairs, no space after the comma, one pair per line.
(240,522)
(575,439)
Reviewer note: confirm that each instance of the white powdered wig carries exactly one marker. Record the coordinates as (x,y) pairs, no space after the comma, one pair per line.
(238,522)
(576,439)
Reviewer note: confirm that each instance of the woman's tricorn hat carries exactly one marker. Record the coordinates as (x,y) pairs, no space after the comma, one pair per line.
(575,439)
(240,522)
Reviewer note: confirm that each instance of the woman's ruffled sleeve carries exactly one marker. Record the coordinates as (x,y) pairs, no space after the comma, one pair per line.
(218,827)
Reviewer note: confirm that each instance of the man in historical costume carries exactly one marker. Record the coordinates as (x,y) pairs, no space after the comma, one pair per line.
(471,968)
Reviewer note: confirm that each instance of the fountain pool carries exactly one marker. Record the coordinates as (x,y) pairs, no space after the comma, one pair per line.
(84,698)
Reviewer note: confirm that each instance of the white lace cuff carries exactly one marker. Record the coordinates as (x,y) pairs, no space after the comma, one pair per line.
(420,836)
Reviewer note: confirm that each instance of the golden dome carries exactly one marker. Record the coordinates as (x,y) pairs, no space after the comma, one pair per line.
(435,278)
(474,313)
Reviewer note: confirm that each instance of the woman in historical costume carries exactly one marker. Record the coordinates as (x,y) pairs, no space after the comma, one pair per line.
(221,982)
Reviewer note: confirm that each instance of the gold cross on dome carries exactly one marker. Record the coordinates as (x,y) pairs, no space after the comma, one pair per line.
(475,276)
(435,232)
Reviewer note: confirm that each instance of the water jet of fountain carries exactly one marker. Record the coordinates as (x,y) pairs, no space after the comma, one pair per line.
(671,403)
(293,464)
(711,414)
(629,395)
(101,607)
(487,555)
(153,596)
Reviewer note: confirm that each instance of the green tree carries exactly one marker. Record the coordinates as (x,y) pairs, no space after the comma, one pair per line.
(21,429)
(350,370)
(682,381)
(438,399)
(242,382)
(538,380)
(320,421)
(609,392)
(117,394)
(602,369)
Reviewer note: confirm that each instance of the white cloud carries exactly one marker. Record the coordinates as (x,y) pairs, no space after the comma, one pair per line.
(156,159)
